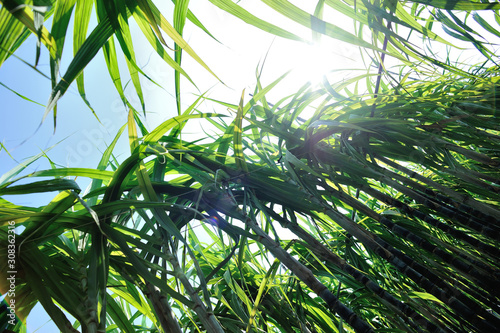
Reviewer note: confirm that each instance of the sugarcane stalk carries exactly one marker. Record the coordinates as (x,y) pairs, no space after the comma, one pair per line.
(481,158)
(306,276)
(468,269)
(478,206)
(448,295)
(488,279)
(163,310)
(462,208)
(422,277)
(463,213)
(302,272)
(390,254)
(351,165)
(491,250)
(485,230)
(440,288)
(469,178)
(329,256)
(482,175)
(207,318)
(488,226)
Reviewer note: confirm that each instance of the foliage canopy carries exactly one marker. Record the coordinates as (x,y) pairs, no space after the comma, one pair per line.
(391,194)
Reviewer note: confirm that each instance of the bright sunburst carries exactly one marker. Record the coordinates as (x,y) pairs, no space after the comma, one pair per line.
(310,62)
(314,61)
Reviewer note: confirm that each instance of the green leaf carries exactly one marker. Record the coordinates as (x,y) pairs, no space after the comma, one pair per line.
(424,296)
(460,4)
(20,167)
(158,18)
(94,42)
(118,316)
(244,15)
(23,97)
(180,14)
(159,131)
(57,184)
(237,137)
(83,13)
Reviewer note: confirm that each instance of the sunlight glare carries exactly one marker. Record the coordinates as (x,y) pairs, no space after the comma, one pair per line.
(312,62)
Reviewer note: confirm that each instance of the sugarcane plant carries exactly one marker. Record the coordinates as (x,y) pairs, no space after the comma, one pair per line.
(329,210)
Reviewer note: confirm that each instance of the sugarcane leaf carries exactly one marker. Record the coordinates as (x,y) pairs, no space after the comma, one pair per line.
(65,172)
(103,163)
(20,95)
(85,54)
(25,15)
(262,291)
(132,132)
(484,23)
(12,33)
(117,12)
(155,42)
(425,296)
(140,267)
(83,13)
(180,14)
(109,52)
(244,15)
(237,137)
(159,131)
(118,316)
(176,37)
(459,4)
(20,167)
(298,15)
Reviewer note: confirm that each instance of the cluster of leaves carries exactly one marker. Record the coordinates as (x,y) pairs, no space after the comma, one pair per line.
(391,198)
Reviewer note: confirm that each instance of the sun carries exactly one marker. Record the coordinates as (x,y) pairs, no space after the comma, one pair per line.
(313,61)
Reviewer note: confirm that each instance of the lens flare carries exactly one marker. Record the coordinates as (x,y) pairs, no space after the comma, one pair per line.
(213,220)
